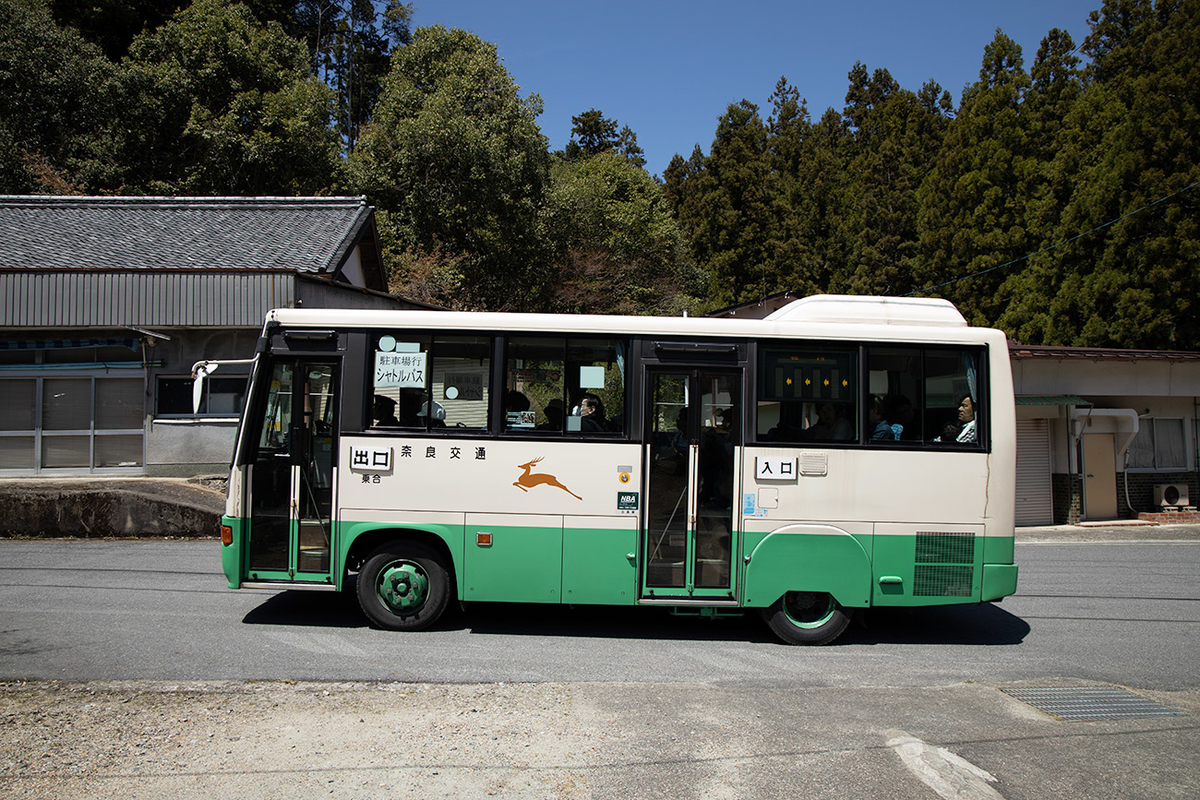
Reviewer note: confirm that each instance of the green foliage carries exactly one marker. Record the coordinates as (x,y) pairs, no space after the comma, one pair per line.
(348,45)
(592,134)
(455,156)
(617,248)
(1131,140)
(896,137)
(53,102)
(215,103)
(972,214)
(112,24)
(728,214)
(1060,204)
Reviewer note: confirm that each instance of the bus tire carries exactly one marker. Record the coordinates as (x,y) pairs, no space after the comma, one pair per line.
(403,586)
(806,618)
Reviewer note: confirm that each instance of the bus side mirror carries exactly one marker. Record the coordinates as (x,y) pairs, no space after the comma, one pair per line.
(200,371)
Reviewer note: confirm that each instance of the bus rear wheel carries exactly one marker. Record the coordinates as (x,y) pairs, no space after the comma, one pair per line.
(403,586)
(806,618)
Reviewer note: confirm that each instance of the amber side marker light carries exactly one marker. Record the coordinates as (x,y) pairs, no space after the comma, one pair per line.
(226,535)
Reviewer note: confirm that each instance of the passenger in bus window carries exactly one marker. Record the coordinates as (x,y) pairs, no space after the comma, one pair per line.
(591,412)
(554,412)
(384,412)
(516,400)
(410,405)
(966,415)
(949,432)
(831,425)
(516,410)
(881,431)
(435,412)
(898,411)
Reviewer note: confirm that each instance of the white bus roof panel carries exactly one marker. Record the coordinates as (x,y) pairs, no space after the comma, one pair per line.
(863,310)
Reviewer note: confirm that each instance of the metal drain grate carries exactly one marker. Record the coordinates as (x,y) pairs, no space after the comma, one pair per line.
(1080,703)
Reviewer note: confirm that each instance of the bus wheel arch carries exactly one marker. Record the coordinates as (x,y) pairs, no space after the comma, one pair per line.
(812,618)
(404,585)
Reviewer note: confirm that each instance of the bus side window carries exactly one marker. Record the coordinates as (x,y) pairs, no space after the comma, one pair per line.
(430,383)
(807,393)
(954,407)
(558,385)
(533,385)
(894,382)
(399,383)
(460,375)
(914,395)
(596,369)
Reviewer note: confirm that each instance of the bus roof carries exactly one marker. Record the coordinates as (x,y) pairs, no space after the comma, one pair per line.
(819,316)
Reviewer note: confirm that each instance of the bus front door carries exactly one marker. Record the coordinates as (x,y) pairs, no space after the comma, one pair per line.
(689,531)
(291,485)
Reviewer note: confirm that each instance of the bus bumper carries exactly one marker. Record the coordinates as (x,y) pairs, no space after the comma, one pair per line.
(231,554)
(999,580)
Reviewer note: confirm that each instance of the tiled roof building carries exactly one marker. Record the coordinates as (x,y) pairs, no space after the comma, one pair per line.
(106,302)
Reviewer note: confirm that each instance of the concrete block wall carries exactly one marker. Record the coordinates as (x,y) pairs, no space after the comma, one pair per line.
(1068,498)
(1141,489)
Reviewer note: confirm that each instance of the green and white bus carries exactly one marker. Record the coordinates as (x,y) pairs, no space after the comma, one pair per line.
(842,453)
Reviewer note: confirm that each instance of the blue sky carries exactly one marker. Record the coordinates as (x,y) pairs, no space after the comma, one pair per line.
(668,68)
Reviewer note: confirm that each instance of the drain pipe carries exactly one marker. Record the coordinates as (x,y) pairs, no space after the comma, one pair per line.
(1128,502)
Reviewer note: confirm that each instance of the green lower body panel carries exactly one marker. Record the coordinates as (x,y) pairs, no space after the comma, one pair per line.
(939,568)
(807,560)
(593,560)
(513,564)
(999,580)
(599,566)
(549,565)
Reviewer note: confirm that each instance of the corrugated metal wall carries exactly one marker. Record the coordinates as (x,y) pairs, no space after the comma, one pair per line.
(186,299)
(1035,502)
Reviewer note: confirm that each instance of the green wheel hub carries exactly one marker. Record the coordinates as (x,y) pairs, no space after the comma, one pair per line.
(403,586)
(809,609)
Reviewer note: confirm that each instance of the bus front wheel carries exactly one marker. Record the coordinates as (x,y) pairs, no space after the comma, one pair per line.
(403,586)
(806,618)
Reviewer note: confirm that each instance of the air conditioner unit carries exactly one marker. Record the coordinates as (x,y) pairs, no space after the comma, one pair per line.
(1173,495)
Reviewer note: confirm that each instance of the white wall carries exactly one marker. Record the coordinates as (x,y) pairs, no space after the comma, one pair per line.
(1108,377)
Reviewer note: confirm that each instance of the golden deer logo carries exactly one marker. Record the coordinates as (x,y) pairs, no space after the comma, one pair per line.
(528,480)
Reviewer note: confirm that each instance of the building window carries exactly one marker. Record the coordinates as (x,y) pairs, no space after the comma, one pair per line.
(1159,445)
(83,423)
(222,397)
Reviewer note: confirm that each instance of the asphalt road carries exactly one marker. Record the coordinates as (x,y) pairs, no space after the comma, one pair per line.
(132,671)
(1119,612)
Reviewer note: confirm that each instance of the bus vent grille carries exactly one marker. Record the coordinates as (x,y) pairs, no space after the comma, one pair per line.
(945,564)
(945,548)
(941,580)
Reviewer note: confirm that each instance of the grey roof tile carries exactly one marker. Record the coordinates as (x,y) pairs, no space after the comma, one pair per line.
(307,235)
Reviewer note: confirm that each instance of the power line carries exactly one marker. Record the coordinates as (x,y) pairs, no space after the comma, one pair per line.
(1053,246)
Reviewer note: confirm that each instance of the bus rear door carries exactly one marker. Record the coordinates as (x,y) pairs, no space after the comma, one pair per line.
(690,528)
